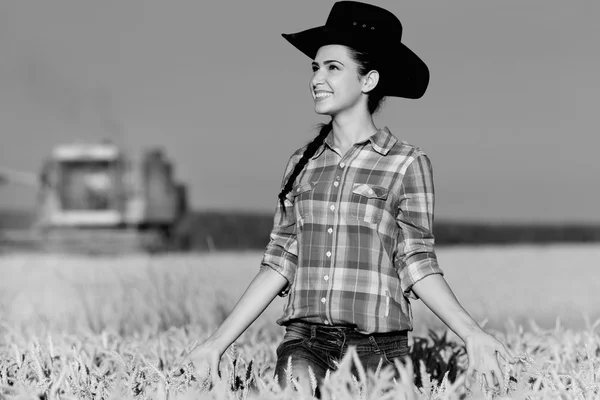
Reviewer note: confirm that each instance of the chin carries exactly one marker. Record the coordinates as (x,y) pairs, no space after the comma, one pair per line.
(323,110)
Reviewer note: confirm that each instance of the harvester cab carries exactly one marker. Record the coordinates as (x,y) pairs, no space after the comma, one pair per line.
(96,198)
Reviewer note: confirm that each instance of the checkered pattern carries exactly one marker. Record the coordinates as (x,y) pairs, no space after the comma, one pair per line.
(356,235)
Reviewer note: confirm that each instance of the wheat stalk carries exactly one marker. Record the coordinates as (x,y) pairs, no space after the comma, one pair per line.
(313,380)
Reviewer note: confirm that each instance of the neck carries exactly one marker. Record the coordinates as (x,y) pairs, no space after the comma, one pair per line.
(353,128)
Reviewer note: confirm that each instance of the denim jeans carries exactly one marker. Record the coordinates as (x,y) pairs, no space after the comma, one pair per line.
(320,346)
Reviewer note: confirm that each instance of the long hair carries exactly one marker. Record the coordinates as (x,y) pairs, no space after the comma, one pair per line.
(365,64)
(310,151)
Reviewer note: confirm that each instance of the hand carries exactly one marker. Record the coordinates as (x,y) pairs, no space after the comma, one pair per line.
(205,357)
(483,350)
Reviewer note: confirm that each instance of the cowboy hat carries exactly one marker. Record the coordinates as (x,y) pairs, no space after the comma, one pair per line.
(371,29)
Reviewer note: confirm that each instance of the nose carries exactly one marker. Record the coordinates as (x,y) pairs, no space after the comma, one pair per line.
(317,79)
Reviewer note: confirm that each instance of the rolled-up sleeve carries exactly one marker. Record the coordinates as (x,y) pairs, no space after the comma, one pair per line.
(281,253)
(415,256)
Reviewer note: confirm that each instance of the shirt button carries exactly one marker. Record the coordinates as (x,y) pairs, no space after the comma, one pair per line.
(371,191)
(323,300)
(326,322)
(330,230)
(326,277)
(328,254)
(336,183)
(337,178)
(332,207)
(342,165)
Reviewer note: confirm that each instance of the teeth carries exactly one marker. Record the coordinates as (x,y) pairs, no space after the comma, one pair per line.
(322,94)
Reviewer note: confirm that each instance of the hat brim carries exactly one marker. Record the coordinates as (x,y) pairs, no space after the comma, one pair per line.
(404,73)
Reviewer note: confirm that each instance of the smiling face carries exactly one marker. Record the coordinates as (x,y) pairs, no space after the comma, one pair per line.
(336,85)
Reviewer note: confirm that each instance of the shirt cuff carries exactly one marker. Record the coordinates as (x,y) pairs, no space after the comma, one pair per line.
(290,278)
(416,271)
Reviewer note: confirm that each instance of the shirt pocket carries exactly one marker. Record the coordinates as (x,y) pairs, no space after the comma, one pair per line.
(367,202)
(303,194)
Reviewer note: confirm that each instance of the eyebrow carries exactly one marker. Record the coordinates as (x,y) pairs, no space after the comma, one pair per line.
(326,62)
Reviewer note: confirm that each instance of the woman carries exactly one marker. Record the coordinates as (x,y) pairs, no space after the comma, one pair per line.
(352,238)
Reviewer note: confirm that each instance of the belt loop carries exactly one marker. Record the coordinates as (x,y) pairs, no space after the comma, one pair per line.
(343,341)
(313,331)
(374,344)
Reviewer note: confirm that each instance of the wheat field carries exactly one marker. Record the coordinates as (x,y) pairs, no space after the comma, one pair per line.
(120,327)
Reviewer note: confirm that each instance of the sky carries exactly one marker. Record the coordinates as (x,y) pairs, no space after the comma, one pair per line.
(510,119)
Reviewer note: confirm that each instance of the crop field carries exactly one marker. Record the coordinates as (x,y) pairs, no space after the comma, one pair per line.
(74,327)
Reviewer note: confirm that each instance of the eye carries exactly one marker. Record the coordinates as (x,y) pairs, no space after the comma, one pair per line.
(314,68)
(331,66)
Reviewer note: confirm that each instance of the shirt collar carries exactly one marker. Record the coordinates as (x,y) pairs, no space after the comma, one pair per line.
(382,141)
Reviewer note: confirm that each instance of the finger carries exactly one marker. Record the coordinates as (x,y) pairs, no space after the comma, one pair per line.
(469,377)
(507,355)
(488,380)
(499,378)
(480,379)
(512,355)
(215,368)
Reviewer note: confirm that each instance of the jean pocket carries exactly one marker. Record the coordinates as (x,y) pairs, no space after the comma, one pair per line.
(287,344)
(367,202)
(398,351)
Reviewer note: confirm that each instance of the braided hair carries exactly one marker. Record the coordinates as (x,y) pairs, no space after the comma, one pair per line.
(310,151)
(366,63)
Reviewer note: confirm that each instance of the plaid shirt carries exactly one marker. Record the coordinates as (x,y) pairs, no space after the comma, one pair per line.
(356,235)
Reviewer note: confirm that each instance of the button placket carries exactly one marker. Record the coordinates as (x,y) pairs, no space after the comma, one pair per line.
(334,200)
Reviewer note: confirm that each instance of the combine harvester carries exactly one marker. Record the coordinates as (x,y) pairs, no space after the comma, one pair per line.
(95,199)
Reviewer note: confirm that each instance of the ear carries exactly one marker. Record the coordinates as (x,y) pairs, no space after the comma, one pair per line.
(370,80)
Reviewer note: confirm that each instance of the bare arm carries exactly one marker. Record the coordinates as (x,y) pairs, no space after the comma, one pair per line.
(278,269)
(482,348)
(260,293)
(257,297)
(420,274)
(439,298)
